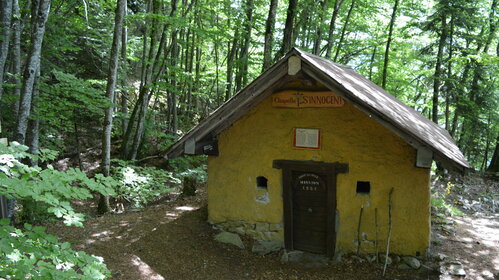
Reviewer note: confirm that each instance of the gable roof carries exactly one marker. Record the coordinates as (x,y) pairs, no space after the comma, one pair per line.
(415,129)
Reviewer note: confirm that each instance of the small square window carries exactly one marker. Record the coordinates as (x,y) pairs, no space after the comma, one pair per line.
(261,183)
(363,187)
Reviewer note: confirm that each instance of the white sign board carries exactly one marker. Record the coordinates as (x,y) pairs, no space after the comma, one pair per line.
(307,138)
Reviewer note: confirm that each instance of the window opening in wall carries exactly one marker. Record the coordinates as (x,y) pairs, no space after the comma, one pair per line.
(261,183)
(363,187)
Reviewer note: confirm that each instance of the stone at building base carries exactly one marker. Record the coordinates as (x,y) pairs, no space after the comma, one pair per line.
(230,238)
(412,262)
(264,247)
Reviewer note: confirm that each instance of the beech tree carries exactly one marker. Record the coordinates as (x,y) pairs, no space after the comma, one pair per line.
(110,95)
(42,8)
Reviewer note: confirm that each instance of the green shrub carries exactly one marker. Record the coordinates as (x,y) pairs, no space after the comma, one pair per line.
(442,206)
(140,185)
(53,190)
(34,254)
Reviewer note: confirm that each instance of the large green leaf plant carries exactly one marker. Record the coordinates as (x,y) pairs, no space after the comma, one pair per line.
(31,253)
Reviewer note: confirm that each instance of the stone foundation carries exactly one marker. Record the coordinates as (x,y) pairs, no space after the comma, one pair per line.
(258,231)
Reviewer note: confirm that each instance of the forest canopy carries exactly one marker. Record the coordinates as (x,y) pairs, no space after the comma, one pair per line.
(154,68)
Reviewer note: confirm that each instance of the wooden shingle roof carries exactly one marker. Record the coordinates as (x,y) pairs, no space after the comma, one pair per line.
(415,129)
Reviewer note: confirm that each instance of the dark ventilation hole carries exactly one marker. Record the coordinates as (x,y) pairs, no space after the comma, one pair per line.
(261,183)
(363,188)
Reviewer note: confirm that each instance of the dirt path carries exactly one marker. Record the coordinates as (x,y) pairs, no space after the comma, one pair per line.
(172,240)
(474,242)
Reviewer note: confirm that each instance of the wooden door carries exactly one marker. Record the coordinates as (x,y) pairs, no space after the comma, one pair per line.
(309,196)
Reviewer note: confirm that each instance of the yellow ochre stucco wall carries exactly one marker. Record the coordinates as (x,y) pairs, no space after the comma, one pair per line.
(372,152)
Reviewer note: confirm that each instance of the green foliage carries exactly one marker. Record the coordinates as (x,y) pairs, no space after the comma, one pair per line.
(34,254)
(70,106)
(53,188)
(140,185)
(438,200)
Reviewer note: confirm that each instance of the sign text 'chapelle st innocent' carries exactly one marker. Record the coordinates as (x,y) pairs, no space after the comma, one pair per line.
(306,99)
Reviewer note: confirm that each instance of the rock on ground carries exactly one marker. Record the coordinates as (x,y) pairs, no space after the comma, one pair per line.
(229,238)
(412,262)
(264,247)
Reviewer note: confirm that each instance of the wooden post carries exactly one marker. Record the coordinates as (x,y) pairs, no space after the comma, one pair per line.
(389,229)
(376,233)
(358,229)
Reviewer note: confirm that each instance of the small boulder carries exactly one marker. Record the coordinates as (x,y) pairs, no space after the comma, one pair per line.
(371,258)
(230,238)
(388,260)
(455,268)
(264,247)
(403,266)
(291,256)
(412,262)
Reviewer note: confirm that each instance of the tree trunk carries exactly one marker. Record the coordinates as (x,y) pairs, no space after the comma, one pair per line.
(32,65)
(269,35)
(371,63)
(448,84)
(5,20)
(343,31)
(438,69)
(388,42)
(287,42)
(494,162)
(124,92)
(103,206)
(174,114)
(16,53)
(230,64)
(244,57)
(332,26)
(318,37)
(34,121)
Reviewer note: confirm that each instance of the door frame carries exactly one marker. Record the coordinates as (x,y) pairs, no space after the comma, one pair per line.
(330,170)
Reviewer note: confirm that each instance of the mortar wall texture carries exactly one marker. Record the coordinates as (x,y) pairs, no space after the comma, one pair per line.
(372,152)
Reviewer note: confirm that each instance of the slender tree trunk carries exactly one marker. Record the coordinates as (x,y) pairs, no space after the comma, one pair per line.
(287,42)
(343,31)
(371,63)
(34,121)
(230,64)
(16,53)
(438,69)
(269,35)
(244,57)
(174,114)
(32,64)
(388,42)
(448,83)
(318,37)
(124,91)
(103,206)
(154,69)
(332,27)
(5,20)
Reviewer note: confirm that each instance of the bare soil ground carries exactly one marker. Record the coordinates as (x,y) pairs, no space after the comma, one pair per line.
(172,240)
(474,242)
